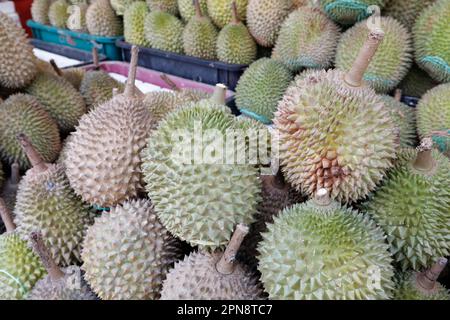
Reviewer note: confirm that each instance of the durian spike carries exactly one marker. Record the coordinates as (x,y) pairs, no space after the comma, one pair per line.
(234,14)
(15,174)
(53,270)
(427,280)
(34,157)
(95,59)
(322,197)
(130,87)
(172,85)
(56,68)
(354,77)
(220,94)
(6,217)
(198,10)
(398,95)
(226,263)
(424,160)
(115,91)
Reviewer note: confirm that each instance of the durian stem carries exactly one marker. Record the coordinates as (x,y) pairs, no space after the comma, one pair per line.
(220,93)
(41,249)
(15,174)
(172,85)
(34,157)
(322,197)
(226,262)
(56,68)
(427,280)
(424,160)
(355,76)
(95,57)
(198,10)
(398,95)
(234,14)
(5,214)
(129,89)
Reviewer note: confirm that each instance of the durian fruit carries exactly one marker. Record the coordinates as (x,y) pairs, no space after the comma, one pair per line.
(261,87)
(58,284)
(200,200)
(347,12)
(200,36)
(77,18)
(406,11)
(58,13)
(121,6)
(308,39)
(220,11)
(20,267)
(17,64)
(413,207)
(169,6)
(295,4)
(11,186)
(133,23)
(392,60)
(97,88)
(128,252)
(164,31)
(39,11)
(432,40)
(101,20)
(416,83)
(334,132)
(212,276)
(187,10)
(103,158)
(422,285)
(235,44)
(74,76)
(264,19)
(59,98)
(322,250)
(46,202)
(22,113)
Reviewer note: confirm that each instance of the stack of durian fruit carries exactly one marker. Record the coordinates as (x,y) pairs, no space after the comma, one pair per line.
(96,204)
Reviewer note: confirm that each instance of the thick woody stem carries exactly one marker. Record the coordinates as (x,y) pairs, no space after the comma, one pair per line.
(5,214)
(220,94)
(41,249)
(15,174)
(130,87)
(172,85)
(398,95)
(234,14)
(198,10)
(355,76)
(226,263)
(322,197)
(424,160)
(95,59)
(56,68)
(34,157)
(427,280)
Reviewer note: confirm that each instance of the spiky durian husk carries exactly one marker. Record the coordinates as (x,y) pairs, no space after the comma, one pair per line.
(77,19)
(404,118)
(169,6)
(63,154)
(127,253)
(133,23)
(74,76)
(101,20)
(44,67)
(164,31)
(198,201)
(236,45)
(97,88)
(17,68)
(406,11)
(406,289)
(61,100)
(347,12)
(46,202)
(325,252)
(220,11)
(391,61)
(103,159)
(262,86)
(413,208)
(20,267)
(333,136)
(416,83)
(308,39)
(196,278)
(121,6)
(22,113)
(432,40)
(200,38)
(39,11)
(58,13)
(187,9)
(264,19)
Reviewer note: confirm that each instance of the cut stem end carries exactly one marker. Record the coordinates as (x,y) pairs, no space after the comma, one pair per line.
(226,263)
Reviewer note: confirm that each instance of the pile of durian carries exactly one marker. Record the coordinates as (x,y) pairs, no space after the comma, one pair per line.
(95,205)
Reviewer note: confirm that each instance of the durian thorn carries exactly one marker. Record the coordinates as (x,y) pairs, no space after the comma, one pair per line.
(95,59)
(6,216)
(220,94)
(427,280)
(32,154)
(15,174)
(41,249)
(172,85)
(115,91)
(234,14)
(424,160)
(198,10)
(56,68)
(130,87)
(322,197)
(354,77)
(398,95)
(226,263)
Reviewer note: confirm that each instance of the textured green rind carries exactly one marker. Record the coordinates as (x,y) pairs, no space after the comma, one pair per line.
(164,31)
(333,136)
(101,20)
(347,12)
(58,14)
(39,11)
(391,61)
(308,39)
(187,9)
(20,267)
(198,202)
(333,252)
(121,6)
(17,68)
(416,83)
(200,38)
(196,278)
(46,202)
(406,11)
(74,76)
(97,88)
(23,114)
(405,120)
(432,39)
(61,100)
(406,289)
(133,21)
(127,253)
(169,6)
(414,209)
(236,45)
(220,11)
(262,86)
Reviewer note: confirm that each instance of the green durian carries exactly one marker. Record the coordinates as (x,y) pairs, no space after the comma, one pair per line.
(416,83)
(101,20)
(187,10)
(39,11)
(133,22)
(220,11)
(74,76)
(121,6)
(406,11)
(347,12)
(169,6)
(58,13)
(164,31)
(97,88)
